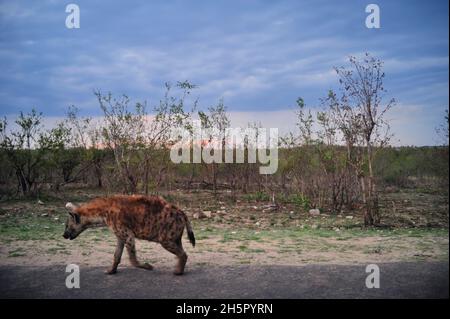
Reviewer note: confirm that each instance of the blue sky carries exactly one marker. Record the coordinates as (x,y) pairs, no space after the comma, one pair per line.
(259,56)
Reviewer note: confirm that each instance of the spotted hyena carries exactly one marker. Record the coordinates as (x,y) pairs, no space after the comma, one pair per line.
(129,217)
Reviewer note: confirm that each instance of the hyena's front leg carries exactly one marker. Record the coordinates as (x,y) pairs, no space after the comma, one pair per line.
(117,256)
(131,248)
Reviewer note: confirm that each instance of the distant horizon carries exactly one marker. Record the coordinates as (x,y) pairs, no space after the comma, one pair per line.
(238,119)
(258,56)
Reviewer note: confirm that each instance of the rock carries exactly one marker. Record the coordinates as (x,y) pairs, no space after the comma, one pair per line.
(40,202)
(291,212)
(336,229)
(270,208)
(257,223)
(391,189)
(314,226)
(44,215)
(196,215)
(349,217)
(199,215)
(207,213)
(314,212)
(222,207)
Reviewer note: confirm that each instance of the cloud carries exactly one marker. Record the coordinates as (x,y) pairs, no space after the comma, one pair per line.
(416,64)
(257,55)
(14,10)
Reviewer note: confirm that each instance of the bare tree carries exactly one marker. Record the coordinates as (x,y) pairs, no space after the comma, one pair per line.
(28,147)
(171,113)
(123,133)
(361,115)
(135,136)
(216,119)
(86,137)
(442,130)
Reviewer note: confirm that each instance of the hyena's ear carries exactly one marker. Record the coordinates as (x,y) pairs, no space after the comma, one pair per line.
(71,206)
(72,212)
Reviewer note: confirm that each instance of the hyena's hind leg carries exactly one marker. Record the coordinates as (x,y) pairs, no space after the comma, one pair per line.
(117,256)
(131,249)
(176,248)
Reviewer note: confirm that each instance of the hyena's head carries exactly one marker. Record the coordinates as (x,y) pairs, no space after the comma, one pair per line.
(73,223)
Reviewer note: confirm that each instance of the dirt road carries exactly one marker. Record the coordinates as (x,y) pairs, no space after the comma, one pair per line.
(397,280)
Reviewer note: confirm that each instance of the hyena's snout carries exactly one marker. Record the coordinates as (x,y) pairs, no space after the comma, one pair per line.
(67,235)
(70,235)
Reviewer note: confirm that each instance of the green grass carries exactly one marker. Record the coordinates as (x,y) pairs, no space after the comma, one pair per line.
(243,248)
(246,249)
(30,227)
(296,233)
(23,225)
(256,197)
(256,250)
(16,253)
(57,250)
(299,200)
(36,227)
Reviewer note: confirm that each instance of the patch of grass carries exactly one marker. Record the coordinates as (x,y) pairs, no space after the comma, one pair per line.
(201,236)
(342,238)
(243,248)
(19,252)
(201,263)
(57,250)
(256,197)
(240,235)
(373,250)
(299,200)
(30,227)
(256,250)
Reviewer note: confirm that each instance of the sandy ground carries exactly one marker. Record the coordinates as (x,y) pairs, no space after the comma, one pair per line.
(96,247)
(94,251)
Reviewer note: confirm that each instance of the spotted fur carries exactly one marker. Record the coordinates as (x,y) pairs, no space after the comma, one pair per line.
(130,217)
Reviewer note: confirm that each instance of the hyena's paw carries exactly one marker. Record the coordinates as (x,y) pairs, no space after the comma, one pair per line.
(111,271)
(146,266)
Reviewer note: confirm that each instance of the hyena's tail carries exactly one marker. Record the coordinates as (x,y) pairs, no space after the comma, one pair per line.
(190,233)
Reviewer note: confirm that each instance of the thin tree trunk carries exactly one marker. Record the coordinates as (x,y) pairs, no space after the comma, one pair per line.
(214,171)
(146,174)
